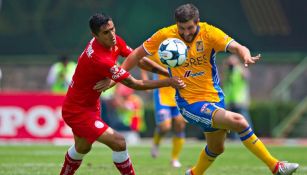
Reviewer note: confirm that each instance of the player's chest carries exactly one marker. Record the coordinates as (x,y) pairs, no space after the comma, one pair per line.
(112,54)
(199,54)
(199,46)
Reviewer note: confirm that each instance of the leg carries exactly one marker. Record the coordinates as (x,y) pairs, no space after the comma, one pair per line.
(232,134)
(120,155)
(178,139)
(210,116)
(74,156)
(236,122)
(163,125)
(161,129)
(215,147)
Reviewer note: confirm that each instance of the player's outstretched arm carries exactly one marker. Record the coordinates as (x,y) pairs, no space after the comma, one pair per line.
(243,52)
(133,58)
(137,57)
(133,83)
(151,66)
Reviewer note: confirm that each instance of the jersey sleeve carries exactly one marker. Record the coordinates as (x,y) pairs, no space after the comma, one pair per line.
(219,39)
(125,50)
(117,73)
(151,45)
(109,69)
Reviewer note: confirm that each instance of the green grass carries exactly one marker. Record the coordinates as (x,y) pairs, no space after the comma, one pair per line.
(47,160)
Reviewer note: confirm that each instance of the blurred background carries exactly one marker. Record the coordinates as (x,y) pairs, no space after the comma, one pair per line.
(34,33)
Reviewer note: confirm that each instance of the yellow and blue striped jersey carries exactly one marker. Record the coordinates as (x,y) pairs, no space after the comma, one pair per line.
(165,95)
(199,72)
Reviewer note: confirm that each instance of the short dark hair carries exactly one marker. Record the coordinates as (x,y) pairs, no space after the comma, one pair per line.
(98,20)
(186,12)
(63,58)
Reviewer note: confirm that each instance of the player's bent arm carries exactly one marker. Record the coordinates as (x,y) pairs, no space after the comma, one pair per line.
(243,52)
(236,48)
(152,84)
(144,74)
(151,66)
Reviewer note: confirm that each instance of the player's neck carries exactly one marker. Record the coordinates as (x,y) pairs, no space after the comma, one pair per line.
(107,47)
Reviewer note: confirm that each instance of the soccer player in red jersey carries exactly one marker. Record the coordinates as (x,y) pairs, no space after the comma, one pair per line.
(81,109)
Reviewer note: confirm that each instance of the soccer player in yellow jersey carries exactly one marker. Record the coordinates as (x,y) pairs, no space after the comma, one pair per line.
(201,102)
(166,115)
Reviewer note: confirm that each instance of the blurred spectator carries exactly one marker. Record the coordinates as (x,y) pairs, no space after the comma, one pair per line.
(108,106)
(0,80)
(130,113)
(60,74)
(236,88)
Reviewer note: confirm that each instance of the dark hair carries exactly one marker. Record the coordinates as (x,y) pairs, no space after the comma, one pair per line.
(186,12)
(98,20)
(63,58)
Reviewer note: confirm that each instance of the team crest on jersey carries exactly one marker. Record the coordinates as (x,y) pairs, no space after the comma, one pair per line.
(99,124)
(199,46)
(202,109)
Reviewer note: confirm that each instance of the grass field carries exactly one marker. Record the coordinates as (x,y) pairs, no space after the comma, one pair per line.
(47,160)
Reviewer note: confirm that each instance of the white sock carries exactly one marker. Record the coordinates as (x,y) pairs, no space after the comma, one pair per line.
(119,157)
(72,152)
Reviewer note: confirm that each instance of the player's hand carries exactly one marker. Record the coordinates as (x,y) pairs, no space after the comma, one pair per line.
(251,60)
(176,82)
(103,85)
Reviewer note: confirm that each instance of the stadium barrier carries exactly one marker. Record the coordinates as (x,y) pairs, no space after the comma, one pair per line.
(32,117)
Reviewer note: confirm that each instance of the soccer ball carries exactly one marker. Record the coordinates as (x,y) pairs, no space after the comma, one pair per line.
(172,52)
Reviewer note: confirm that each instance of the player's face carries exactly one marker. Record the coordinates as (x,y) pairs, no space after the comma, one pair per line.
(106,35)
(187,30)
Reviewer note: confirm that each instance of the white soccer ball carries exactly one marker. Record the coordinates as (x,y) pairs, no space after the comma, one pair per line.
(173,52)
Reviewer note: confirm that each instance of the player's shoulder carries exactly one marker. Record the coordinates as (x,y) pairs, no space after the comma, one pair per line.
(169,29)
(98,55)
(205,27)
(167,32)
(120,40)
(208,29)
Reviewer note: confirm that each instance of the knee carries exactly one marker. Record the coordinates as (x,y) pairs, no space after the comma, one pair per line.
(163,129)
(241,123)
(219,149)
(120,144)
(179,127)
(83,149)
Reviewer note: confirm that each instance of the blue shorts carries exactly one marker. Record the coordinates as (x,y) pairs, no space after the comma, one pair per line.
(163,113)
(200,113)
